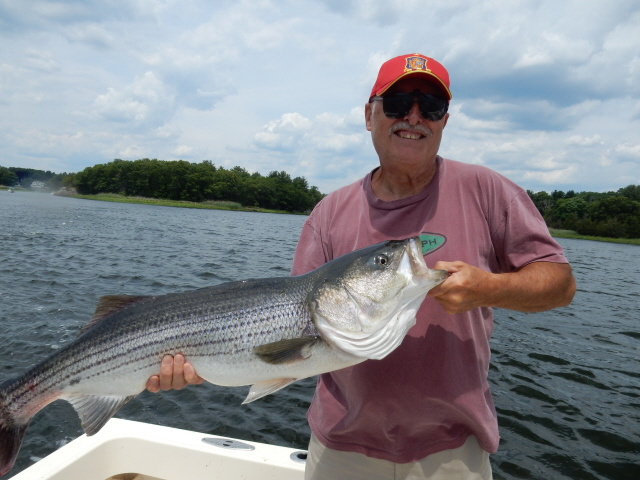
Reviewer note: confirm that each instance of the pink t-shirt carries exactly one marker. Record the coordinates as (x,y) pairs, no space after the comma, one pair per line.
(432,392)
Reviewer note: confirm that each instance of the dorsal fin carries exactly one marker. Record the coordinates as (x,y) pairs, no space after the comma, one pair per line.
(108,305)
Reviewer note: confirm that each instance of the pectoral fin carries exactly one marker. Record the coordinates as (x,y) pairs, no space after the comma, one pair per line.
(94,411)
(286,351)
(262,389)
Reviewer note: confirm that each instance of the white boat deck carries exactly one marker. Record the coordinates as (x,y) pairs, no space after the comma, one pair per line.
(127,450)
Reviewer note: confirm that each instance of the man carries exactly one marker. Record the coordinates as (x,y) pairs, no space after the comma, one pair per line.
(425,411)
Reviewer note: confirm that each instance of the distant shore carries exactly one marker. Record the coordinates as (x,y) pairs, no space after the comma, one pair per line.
(571,234)
(208,204)
(110,197)
(223,205)
(234,206)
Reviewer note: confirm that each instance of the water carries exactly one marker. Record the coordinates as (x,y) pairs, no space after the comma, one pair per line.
(566,383)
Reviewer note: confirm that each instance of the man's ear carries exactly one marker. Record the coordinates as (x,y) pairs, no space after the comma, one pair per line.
(368,110)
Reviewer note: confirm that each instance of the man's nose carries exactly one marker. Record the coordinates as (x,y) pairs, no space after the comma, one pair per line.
(414,116)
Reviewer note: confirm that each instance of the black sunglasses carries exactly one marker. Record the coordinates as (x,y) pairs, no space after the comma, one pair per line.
(397,105)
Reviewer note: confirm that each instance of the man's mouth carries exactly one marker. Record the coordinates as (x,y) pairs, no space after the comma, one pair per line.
(409,132)
(409,135)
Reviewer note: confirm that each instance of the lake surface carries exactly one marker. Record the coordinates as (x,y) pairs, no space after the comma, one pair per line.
(566,383)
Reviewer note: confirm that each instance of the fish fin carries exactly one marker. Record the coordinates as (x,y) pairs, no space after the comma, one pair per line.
(11,436)
(262,389)
(285,351)
(94,410)
(110,304)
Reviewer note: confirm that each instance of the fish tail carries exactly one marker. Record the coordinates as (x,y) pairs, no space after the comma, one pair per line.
(11,434)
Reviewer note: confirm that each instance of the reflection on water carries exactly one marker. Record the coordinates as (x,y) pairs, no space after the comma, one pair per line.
(566,383)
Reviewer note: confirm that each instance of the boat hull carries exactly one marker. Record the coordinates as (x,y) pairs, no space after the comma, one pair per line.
(130,450)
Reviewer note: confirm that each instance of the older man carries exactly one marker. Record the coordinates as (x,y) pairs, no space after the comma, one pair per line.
(424,411)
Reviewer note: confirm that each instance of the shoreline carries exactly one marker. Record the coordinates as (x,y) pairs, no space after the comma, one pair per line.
(161,202)
(576,236)
(234,206)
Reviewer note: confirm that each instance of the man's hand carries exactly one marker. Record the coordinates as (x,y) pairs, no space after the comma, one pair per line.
(536,287)
(175,373)
(464,289)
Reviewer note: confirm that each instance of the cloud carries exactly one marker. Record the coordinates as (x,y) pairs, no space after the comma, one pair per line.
(146,101)
(327,133)
(284,133)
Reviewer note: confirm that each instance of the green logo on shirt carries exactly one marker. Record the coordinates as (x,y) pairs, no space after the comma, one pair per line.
(431,242)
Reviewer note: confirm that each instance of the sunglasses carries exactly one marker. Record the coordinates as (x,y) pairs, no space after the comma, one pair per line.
(397,105)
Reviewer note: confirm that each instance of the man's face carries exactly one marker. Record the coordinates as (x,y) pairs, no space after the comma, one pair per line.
(409,139)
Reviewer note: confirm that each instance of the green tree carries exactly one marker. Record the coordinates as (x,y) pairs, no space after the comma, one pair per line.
(568,206)
(632,192)
(615,216)
(543,202)
(7,177)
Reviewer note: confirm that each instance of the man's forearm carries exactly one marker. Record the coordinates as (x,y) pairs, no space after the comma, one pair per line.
(535,287)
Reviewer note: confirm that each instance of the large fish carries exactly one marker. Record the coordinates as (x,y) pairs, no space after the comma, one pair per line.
(266,333)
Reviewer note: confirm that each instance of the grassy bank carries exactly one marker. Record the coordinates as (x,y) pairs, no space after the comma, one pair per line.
(572,234)
(223,205)
(209,204)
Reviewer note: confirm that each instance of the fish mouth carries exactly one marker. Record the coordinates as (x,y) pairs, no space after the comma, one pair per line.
(419,266)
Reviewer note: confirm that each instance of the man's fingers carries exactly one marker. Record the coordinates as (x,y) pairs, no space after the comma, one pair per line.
(166,373)
(190,375)
(175,373)
(153,384)
(178,380)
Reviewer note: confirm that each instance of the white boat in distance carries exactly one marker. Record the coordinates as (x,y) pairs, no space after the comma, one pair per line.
(128,450)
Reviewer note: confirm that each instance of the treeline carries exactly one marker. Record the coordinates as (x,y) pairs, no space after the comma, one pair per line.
(13,176)
(610,214)
(197,182)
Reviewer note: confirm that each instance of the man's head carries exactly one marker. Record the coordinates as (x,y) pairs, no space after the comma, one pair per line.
(407,110)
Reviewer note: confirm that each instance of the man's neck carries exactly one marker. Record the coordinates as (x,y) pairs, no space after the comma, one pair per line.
(397,183)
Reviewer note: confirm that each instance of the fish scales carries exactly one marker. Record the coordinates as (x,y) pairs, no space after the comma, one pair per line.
(144,341)
(266,333)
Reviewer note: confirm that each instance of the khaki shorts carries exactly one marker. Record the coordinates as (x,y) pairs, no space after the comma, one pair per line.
(468,462)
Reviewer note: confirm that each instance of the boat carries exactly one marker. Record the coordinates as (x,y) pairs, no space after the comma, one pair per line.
(130,450)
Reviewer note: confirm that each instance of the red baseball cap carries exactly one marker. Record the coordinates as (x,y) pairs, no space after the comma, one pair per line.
(411,64)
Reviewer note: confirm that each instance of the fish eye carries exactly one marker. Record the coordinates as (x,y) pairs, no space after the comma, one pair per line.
(382,260)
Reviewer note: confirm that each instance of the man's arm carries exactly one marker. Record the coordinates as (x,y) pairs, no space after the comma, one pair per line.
(536,287)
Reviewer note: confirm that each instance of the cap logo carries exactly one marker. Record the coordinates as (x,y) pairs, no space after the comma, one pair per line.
(416,63)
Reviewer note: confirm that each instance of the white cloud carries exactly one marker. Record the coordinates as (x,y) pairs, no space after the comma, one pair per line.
(582,141)
(629,151)
(145,101)
(285,133)
(553,48)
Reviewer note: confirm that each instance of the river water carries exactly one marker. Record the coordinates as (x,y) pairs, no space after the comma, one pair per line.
(566,383)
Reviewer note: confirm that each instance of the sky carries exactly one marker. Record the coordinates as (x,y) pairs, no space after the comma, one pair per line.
(546,93)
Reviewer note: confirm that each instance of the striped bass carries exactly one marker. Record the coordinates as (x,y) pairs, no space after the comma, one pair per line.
(266,333)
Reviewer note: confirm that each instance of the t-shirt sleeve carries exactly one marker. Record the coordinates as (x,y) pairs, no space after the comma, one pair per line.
(523,237)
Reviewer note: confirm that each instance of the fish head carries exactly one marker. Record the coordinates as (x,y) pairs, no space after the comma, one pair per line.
(368,299)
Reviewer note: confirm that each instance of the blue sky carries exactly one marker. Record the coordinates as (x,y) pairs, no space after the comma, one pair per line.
(544,92)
